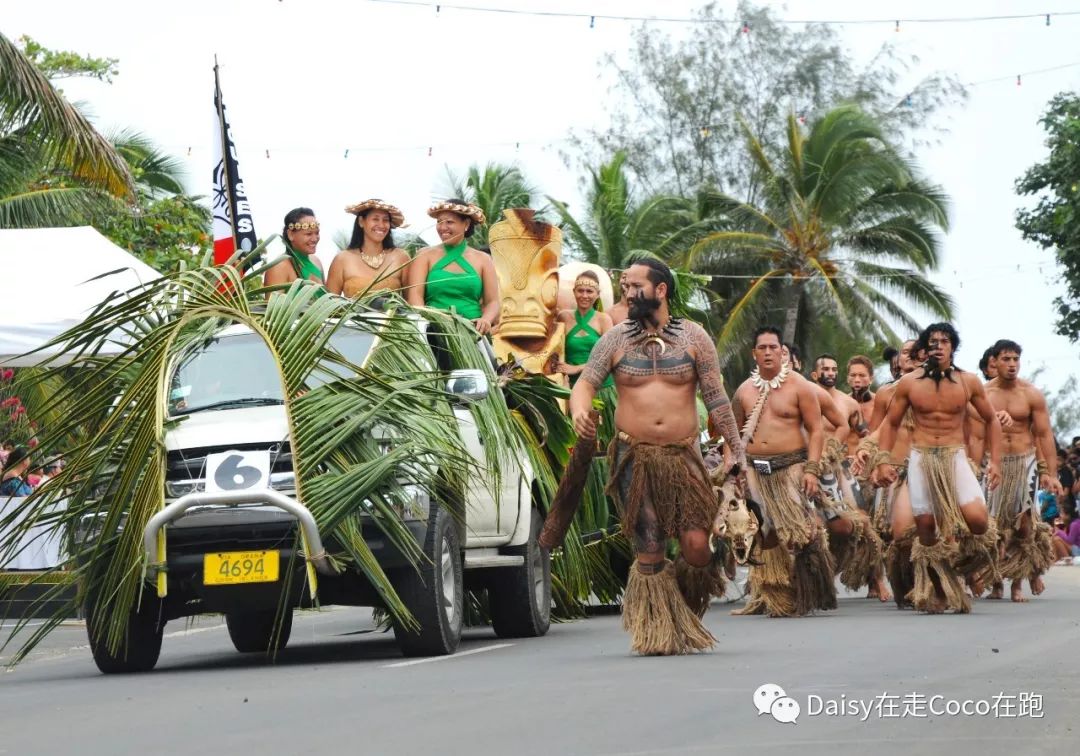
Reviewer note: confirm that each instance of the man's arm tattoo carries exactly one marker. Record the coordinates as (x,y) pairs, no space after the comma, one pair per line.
(711,382)
(599,365)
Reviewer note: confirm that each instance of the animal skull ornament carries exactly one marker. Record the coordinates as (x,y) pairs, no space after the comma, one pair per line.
(735,521)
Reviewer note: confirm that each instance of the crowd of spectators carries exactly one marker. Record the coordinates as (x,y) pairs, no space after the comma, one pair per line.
(1060,511)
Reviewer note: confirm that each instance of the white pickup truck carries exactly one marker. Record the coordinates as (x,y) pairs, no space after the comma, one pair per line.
(232,520)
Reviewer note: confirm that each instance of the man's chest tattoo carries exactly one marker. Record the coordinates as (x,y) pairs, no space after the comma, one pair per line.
(666,353)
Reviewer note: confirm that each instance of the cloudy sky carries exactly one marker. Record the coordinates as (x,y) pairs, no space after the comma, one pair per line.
(334,102)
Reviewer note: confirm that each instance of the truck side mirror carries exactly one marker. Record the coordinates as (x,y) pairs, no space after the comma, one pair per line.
(467,385)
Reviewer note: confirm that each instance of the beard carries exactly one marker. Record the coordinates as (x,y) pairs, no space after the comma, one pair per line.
(826,381)
(643,309)
(861,394)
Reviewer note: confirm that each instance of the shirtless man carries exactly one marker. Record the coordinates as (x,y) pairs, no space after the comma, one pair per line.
(891,512)
(843,424)
(658,478)
(976,428)
(826,372)
(781,419)
(946,500)
(1027,548)
(860,374)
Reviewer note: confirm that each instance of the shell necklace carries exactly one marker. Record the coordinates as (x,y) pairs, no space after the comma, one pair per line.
(773,383)
(373,262)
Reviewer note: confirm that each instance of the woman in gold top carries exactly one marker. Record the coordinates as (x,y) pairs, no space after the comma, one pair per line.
(371,261)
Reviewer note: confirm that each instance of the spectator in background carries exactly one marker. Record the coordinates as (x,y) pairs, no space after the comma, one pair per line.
(5,450)
(1067,476)
(1066,537)
(14,478)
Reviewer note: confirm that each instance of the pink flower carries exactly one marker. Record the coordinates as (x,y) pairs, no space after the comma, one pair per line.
(32,443)
(6,375)
(11,401)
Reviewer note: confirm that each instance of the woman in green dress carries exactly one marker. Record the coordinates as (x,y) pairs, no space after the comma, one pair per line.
(453,276)
(584,326)
(301,237)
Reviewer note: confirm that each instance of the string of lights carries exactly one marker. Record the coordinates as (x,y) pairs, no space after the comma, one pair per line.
(431,149)
(594,17)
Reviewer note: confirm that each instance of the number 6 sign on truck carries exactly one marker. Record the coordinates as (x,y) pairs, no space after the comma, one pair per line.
(238,470)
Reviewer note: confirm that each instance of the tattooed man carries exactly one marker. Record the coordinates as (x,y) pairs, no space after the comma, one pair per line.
(658,478)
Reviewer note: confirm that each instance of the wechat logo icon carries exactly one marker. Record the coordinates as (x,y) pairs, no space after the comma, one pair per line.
(771,699)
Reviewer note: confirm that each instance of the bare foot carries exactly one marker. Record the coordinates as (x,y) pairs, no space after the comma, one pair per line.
(1017,596)
(1037,585)
(975,585)
(882,592)
(997,592)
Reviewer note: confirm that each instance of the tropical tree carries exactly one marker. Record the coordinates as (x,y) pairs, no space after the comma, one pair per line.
(493,188)
(36,120)
(616,227)
(677,98)
(846,229)
(1054,222)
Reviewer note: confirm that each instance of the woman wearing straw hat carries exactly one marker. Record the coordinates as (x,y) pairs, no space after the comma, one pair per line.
(371,262)
(301,237)
(453,276)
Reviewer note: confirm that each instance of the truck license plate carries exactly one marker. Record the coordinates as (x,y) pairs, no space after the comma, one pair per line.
(235,567)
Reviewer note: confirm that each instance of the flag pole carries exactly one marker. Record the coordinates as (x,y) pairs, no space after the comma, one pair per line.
(219,103)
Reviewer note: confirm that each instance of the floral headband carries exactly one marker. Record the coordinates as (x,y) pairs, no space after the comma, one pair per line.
(303,226)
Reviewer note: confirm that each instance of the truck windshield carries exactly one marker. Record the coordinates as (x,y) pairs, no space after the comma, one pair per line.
(239,371)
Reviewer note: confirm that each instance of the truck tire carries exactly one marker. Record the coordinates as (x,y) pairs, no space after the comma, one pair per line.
(252,632)
(141,646)
(520,597)
(434,592)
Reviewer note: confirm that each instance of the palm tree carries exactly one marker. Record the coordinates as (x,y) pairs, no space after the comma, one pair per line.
(493,188)
(616,228)
(35,119)
(846,229)
(154,172)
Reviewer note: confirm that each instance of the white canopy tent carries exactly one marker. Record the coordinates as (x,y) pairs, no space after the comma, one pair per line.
(46,286)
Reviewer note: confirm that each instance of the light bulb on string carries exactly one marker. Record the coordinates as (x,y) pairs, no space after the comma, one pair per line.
(346,153)
(1018,80)
(745,28)
(1047,19)
(592,22)
(897,27)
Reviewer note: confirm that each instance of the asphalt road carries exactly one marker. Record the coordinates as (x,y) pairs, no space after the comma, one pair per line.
(338,689)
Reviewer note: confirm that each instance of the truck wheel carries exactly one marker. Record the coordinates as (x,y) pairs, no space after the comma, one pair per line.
(141,646)
(520,597)
(435,594)
(252,632)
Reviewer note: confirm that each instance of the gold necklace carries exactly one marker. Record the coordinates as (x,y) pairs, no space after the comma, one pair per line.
(375,262)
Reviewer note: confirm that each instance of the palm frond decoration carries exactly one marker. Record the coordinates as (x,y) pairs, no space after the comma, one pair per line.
(357,431)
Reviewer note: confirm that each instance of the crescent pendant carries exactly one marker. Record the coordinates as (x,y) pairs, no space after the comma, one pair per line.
(659,342)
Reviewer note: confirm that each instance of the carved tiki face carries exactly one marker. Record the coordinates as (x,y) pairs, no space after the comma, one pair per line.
(526,256)
(740,524)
